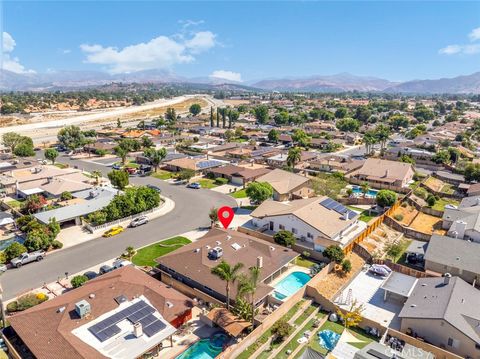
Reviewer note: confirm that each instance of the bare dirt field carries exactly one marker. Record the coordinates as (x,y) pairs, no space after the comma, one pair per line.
(237,102)
(334,280)
(434,184)
(375,242)
(408,213)
(427,224)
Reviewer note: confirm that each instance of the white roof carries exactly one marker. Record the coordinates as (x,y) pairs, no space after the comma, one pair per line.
(30,191)
(400,284)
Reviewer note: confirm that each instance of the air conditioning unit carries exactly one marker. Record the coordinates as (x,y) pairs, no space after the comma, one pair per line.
(83,308)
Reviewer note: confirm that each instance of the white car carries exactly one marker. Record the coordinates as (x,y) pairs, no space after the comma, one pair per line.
(3,268)
(119,263)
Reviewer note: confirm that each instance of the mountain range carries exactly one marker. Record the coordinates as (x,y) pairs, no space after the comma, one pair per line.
(342,82)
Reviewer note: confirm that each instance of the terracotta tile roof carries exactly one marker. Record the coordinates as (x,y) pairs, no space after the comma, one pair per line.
(48,333)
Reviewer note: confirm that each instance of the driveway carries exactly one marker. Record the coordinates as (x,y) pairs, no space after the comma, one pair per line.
(190,212)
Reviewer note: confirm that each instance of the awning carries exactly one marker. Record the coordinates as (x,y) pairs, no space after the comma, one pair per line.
(227,321)
(30,191)
(400,284)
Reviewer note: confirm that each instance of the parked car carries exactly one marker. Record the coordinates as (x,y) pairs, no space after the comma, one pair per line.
(3,268)
(194,185)
(158,189)
(380,270)
(138,221)
(131,170)
(90,275)
(113,231)
(116,166)
(105,269)
(25,258)
(119,263)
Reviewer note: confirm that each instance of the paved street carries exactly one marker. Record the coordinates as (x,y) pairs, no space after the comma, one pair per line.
(190,212)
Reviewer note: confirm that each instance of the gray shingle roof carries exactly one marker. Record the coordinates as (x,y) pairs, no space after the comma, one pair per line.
(455,302)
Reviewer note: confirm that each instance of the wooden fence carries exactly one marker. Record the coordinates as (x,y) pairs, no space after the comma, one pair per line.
(400,268)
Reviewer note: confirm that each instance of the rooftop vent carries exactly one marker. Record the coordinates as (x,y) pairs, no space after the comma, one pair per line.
(218,243)
(446,278)
(229,237)
(196,250)
(260,262)
(215,253)
(121,299)
(82,308)
(137,330)
(272,248)
(236,246)
(91,296)
(169,304)
(61,309)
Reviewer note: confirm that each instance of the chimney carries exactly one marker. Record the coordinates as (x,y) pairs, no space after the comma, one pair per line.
(446,278)
(460,227)
(137,330)
(260,262)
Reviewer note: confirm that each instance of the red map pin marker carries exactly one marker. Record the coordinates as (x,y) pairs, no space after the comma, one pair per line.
(225,216)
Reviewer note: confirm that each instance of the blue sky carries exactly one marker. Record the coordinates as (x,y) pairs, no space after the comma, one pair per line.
(245,40)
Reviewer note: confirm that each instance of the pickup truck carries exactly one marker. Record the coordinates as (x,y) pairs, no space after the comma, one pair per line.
(25,258)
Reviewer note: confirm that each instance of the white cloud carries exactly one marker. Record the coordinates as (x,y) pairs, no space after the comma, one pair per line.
(9,62)
(66,51)
(227,75)
(159,53)
(468,49)
(187,23)
(474,34)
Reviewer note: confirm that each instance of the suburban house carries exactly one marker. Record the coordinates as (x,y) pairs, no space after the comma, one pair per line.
(195,164)
(287,185)
(342,164)
(224,171)
(318,221)
(384,173)
(188,269)
(247,175)
(455,256)
(462,223)
(122,314)
(280,160)
(473,189)
(444,311)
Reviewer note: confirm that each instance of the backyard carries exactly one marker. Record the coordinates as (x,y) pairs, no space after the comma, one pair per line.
(146,256)
(365,216)
(442,202)
(426,223)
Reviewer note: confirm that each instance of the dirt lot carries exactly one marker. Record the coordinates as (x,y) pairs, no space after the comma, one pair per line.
(376,242)
(409,213)
(434,184)
(427,224)
(334,280)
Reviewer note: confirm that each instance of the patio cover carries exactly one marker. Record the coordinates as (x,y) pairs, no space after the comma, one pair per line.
(309,353)
(400,284)
(227,321)
(5,218)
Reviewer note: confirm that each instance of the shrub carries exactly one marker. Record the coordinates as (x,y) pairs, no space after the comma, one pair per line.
(100,152)
(29,300)
(404,204)
(334,253)
(431,200)
(280,330)
(398,217)
(421,192)
(259,191)
(284,238)
(78,281)
(221,181)
(3,257)
(386,198)
(56,244)
(96,218)
(346,266)
(65,196)
(12,306)
(14,250)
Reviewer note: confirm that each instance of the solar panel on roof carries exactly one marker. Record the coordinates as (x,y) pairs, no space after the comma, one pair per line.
(154,328)
(338,207)
(149,319)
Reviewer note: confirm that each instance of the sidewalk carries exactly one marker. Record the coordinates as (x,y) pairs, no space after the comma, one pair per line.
(77,234)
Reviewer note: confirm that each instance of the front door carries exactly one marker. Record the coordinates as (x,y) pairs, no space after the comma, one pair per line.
(270,226)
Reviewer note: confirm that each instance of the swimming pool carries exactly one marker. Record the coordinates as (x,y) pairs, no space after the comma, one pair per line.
(370,193)
(290,285)
(6,242)
(328,339)
(205,348)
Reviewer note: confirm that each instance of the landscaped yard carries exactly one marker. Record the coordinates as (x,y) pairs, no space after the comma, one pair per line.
(61,165)
(15,203)
(207,183)
(146,256)
(364,215)
(163,175)
(304,262)
(441,203)
(239,194)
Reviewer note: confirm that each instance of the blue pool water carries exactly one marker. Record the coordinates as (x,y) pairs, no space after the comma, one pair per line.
(290,285)
(328,339)
(6,242)
(205,348)
(370,193)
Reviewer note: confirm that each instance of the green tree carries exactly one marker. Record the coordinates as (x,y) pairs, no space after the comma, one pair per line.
(259,191)
(261,113)
(71,137)
(394,249)
(185,175)
(341,112)
(195,109)
(348,124)
(284,238)
(472,172)
(422,113)
(346,266)
(294,156)
(171,115)
(363,113)
(211,117)
(334,253)
(229,274)
(213,215)
(24,148)
(247,286)
(301,138)
(33,204)
(14,250)
(129,252)
(121,152)
(232,117)
(364,187)
(280,330)
(65,196)
(441,156)
(97,175)
(119,179)
(369,140)
(398,121)
(273,135)
(353,316)
(51,154)
(78,281)
(382,134)
(156,156)
(147,142)
(386,198)
(11,140)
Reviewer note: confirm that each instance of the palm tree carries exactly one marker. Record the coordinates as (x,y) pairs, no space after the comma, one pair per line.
(130,252)
(248,286)
(294,156)
(121,152)
(369,139)
(228,274)
(365,188)
(156,156)
(97,175)
(382,133)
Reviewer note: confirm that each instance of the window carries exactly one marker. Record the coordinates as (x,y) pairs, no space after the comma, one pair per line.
(309,235)
(281,227)
(294,230)
(450,342)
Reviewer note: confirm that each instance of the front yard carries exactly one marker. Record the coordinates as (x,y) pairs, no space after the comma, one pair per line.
(146,256)
(163,175)
(239,194)
(207,183)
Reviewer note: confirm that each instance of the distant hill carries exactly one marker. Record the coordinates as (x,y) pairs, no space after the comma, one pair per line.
(458,85)
(343,82)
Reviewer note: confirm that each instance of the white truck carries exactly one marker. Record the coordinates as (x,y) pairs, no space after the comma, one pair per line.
(25,258)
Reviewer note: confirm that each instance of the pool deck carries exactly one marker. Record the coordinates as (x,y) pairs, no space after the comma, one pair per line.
(290,270)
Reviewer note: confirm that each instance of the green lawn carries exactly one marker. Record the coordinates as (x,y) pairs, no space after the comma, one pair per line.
(61,165)
(146,256)
(441,203)
(132,165)
(304,262)
(207,183)
(293,344)
(163,175)
(448,189)
(15,203)
(239,194)
(364,215)
(306,313)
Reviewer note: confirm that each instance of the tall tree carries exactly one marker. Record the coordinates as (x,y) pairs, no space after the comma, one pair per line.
(171,115)
(369,140)
(195,109)
(155,156)
(11,140)
(51,154)
(211,117)
(232,117)
(247,285)
(382,133)
(71,137)
(294,156)
(228,274)
(218,116)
